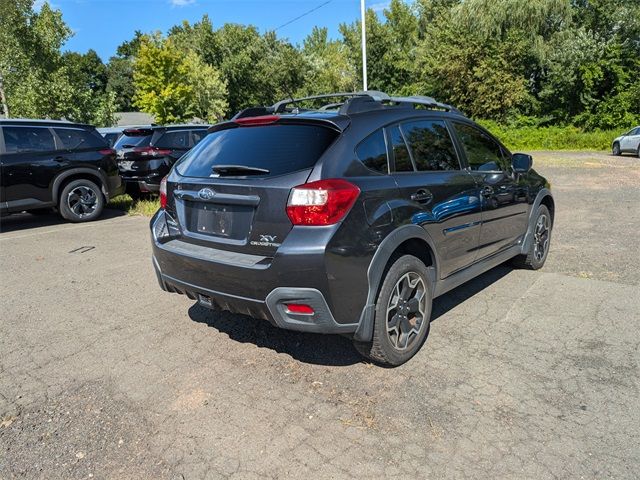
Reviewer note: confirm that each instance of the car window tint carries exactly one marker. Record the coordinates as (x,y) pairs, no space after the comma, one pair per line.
(277,148)
(400,151)
(431,145)
(75,138)
(27,139)
(198,135)
(177,139)
(131,140)
(483,153)
(372,151)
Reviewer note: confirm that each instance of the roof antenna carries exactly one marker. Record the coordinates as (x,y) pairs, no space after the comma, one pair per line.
(293,100)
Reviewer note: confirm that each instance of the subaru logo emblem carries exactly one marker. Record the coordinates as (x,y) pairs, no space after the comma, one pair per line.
(206,194)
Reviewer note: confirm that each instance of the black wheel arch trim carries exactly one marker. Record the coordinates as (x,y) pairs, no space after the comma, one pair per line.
(385,250)
(528,237)
(96,173)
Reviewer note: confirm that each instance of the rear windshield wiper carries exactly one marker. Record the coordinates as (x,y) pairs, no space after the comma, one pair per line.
(238,169)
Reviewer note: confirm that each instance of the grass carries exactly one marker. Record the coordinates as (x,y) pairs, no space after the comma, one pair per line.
(145,207)
(551,138)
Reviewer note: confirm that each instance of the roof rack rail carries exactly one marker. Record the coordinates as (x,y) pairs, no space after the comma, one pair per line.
(425,101)
(355,102)
(279,107)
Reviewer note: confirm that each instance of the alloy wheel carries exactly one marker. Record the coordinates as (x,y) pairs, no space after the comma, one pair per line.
(82,201)
(406,311)
(541,237)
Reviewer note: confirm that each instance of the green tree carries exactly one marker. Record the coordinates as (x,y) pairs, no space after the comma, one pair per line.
(209,97)
(159,76)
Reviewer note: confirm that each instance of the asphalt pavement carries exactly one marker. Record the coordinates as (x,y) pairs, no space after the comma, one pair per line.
(525,375)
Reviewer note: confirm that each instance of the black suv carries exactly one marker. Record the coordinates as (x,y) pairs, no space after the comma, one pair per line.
(146,154)
(347,219)
(47,163)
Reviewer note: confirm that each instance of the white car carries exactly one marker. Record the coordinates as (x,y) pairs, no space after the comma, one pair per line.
(627,143)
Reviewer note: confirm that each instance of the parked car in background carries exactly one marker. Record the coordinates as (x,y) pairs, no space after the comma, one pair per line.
(111,134)
(145,154)
(349,218)
(627,143)
(45,163)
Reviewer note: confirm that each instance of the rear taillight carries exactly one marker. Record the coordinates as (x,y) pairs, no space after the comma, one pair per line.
(324,202)
(107,151)
(151,151)
(163,193)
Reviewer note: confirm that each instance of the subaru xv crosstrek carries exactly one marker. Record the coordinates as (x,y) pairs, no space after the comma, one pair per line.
(349,218)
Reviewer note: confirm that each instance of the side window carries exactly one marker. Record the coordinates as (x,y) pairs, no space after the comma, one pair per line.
(178,139)
(27,139)
(372,151)
(431,145)
(74,138)
(400,151)
(483,153)
(198,135)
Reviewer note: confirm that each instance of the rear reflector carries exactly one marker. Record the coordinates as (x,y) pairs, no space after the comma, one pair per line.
(324,202)
(163,192)
(299,308)
(261,120)
(107,151)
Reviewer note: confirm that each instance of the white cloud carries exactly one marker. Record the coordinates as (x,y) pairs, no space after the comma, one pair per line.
(380,6)
(181,3)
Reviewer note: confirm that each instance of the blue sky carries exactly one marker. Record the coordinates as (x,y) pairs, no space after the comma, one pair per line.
(103,24)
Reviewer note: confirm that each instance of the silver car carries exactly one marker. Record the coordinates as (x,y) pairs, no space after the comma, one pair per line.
(627,143)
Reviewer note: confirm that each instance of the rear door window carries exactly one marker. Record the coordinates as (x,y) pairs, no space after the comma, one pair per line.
(431,145)
(27,139)
(178,139)
(401,156)
(280,149)
(372,151)
(76,138)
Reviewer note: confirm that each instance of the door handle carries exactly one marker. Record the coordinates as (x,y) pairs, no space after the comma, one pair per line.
(487,191)
(422,196)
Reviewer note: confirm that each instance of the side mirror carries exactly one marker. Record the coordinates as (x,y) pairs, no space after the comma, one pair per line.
(521,162)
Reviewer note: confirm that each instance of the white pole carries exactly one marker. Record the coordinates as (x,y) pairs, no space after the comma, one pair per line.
(364,45)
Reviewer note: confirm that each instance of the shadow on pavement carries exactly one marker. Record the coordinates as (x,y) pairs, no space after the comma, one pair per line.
(317,349)
(24,221)
(455,297)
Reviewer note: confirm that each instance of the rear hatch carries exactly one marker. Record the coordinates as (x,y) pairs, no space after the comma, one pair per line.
(132,149)
(230,191)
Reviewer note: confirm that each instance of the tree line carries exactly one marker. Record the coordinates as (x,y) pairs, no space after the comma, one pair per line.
(523,63)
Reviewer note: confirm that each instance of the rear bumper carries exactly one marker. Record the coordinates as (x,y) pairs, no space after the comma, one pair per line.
(150,183)
(249,284)
(273,308)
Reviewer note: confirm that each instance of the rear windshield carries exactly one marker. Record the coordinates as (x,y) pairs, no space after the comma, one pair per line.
(130,141)
(279,149)
(178,139)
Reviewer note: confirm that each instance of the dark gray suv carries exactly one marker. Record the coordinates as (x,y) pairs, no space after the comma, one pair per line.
(347,218)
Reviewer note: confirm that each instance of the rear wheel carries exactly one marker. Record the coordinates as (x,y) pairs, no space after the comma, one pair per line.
(81,201)
(638,152)
(539,249)
(616,149)
(402,314)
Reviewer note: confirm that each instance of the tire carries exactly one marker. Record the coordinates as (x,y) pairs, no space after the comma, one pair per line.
(400,326)
(638,152)
(616,149)
(536,256)
(81,201)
